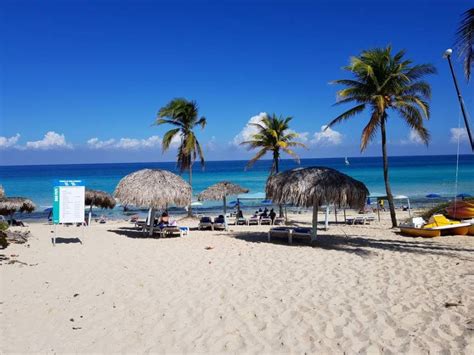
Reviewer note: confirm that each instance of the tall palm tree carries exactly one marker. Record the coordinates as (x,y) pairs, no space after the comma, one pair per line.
(273,136)
(386,83)
(183,114)
(465,41)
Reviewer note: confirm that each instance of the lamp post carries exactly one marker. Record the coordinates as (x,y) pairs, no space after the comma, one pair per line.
(447,55)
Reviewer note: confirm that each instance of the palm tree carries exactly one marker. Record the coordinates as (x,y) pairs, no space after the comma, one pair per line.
(465,41)
(273,136)
(386,83)
(183,114)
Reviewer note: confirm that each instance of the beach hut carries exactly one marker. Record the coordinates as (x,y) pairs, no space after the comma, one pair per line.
(10,205)
(220,191)
(154,189)
(314,187)
(99,199)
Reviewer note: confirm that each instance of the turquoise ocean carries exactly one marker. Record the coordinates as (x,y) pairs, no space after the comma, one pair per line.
(414,176)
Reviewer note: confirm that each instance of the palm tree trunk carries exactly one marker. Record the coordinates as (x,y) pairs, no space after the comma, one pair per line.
(190,210)
(385,172)
(277,170)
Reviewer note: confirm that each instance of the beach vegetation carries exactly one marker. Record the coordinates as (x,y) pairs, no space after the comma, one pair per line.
(384,83)
(465,41)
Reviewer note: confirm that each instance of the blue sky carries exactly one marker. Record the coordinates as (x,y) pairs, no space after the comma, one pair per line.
(82,80)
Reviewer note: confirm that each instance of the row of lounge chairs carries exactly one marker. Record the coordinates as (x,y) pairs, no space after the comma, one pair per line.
(221,223)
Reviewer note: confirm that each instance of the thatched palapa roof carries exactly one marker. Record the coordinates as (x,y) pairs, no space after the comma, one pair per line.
(99,199)
(153,188)
(308,187)
(220,190)
(9,205)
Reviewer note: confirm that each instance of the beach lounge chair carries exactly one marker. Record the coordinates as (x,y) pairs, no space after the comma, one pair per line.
(278,221)
(265,220)
(242,221)
(174,231)
(281,232)
(302,233)
(255,220)
(220,223)
(205,223)
(231,220)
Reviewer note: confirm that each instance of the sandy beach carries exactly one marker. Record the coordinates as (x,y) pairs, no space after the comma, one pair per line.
(361,289)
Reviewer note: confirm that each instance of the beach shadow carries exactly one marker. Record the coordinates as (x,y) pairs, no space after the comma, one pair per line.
(362,246)
(61,240)
(138,234)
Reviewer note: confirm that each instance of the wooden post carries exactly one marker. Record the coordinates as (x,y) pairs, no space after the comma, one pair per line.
(225,206)
(344,209)
(314,232)
(335,213)
(90,216)
(152,221)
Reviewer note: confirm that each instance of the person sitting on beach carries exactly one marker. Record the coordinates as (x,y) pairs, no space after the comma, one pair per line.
(164,220)
(272,215)
(240,214)
(264,214)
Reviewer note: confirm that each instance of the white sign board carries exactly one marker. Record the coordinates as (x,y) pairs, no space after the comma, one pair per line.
(69,196)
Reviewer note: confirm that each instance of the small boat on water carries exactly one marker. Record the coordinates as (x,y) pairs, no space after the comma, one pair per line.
(438,225)
(346,161)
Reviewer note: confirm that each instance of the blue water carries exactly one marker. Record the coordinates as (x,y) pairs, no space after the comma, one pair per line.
(414,176)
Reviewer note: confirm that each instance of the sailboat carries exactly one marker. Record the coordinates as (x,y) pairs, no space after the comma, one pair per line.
(346,161)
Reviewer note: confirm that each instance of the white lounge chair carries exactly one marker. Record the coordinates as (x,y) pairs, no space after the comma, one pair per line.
(281,232)
(265,220)
(255,220)
(278,221)
(205,223)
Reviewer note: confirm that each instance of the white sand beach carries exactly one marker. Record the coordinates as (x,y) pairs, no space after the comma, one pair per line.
(361,289)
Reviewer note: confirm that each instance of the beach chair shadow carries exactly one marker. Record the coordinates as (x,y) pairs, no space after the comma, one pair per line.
(62,240)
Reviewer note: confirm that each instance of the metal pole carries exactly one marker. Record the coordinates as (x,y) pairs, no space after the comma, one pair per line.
(461,101)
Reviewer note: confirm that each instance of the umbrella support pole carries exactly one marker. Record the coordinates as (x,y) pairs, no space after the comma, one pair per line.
(326,219)
(314,231)
(151,221)
(90,216)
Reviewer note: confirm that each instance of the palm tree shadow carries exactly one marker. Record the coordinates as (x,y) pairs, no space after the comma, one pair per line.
(364,246)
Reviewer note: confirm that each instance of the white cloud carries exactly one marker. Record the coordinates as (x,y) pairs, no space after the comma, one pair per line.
(51,140)
(210,145)
(125,143)
(327,136)
(458,134)
(413,138)
(8,142)
(249,129)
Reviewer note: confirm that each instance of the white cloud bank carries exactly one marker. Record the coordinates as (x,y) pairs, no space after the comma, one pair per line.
(124,143)
(327,136)
(413,138)
(8,142)
(249,129)
(458,134)
(51,140)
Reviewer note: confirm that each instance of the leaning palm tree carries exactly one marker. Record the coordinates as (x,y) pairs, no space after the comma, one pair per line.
(183,114)
(273,136)
(386,83)
(465,41)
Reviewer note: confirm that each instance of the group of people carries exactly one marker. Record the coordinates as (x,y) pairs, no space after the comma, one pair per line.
(265,214)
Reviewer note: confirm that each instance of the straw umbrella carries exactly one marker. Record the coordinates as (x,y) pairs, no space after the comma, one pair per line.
(99,199)
(316,186)
(154,189)
(10,205)
(220,191)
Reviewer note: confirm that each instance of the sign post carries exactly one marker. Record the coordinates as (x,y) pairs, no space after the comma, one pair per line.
(68,205)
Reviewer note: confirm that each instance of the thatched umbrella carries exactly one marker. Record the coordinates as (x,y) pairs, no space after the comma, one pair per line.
(99,199)
(155,189)
(220,191)
(316,186)
(2,192)
(10,205)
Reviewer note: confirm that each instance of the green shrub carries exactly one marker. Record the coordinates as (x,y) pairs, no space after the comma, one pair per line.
(3,226)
